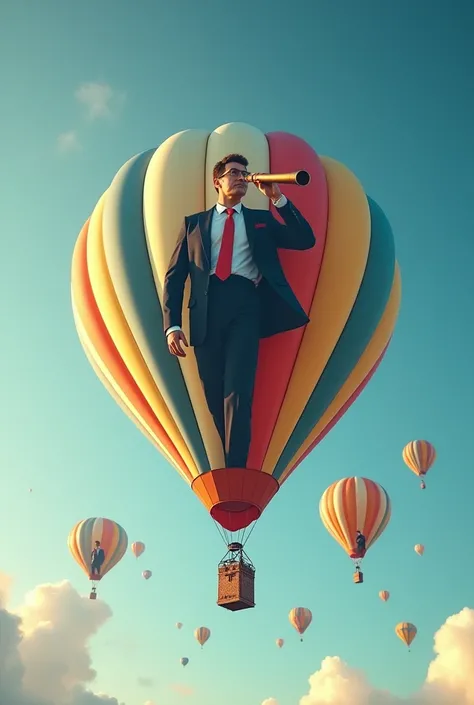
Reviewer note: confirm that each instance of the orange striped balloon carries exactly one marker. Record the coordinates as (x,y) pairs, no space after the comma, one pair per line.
(137,548)
(384,595)
(355,504)
(406,631)
(300,618)
(113,539)
(419,456)
(202,634)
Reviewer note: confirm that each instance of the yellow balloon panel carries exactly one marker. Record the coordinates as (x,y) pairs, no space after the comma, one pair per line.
(342,270)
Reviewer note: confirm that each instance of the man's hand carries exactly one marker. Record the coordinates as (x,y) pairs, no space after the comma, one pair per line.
(174,341)
(269,190)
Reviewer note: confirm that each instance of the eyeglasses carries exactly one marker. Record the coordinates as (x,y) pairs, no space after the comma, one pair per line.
(234,173)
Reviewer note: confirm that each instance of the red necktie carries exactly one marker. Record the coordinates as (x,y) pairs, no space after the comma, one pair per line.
(224,261)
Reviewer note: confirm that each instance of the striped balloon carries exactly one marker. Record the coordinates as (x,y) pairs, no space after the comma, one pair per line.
(113,539)
(280,642)
(419,456)
(202,634)
(300,618)
(406,632)
(355,504)
(348,284)
(384,595)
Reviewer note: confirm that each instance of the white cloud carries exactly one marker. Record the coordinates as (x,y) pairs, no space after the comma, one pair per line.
(44,649)
(99,99)
(449,681)
(68,141)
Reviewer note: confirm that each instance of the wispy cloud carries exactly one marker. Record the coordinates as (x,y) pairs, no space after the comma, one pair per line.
(68,142)
(99,99)
(144,682)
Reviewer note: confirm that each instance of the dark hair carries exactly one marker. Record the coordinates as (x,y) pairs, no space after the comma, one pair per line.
(219,168)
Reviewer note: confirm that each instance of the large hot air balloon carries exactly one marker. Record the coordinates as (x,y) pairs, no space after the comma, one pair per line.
(406,632)
(137,548)
(352,505)
(202,634)
(419,456)
(300,619)
(348,284)
(82,540)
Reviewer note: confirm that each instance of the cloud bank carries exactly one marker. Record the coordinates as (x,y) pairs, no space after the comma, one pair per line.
(449,681)
(44,654)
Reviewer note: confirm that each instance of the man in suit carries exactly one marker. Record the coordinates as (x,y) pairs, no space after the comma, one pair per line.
(97,558)
(239,294)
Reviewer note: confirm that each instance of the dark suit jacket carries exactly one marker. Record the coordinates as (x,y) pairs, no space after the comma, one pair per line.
(280,309)
(97,556)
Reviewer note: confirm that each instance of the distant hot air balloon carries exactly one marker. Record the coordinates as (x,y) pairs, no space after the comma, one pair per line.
(280,642)
(147,574)
(406,632)
(82,541)
(202,634)
(419,456)
(184,661)
(384,595)
(137,548)
(348,284)
(178,625)
(300,618)
(355,504)
(420,549)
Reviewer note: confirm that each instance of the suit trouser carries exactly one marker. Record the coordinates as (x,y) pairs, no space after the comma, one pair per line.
(227,361)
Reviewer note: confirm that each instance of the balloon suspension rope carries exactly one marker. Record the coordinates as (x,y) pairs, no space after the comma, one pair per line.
(226,536)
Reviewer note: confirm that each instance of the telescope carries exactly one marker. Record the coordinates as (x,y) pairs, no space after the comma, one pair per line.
(301,178)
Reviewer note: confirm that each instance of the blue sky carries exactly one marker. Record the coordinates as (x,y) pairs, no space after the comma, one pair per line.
(387,91)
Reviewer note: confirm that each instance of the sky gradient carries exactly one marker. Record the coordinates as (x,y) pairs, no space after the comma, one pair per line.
(385,89)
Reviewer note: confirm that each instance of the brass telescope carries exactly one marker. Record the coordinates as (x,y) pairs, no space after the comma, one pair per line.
(301,178)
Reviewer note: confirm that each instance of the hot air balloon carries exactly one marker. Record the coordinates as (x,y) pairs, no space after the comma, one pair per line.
(419,456)
(147,574)
(300,618)
(82,541)
(348,284)
(184,661)
(202,634)
(280,642)
(137,548)
(384,595)
(352,505)
(179,625)
(420,549)
(406,632)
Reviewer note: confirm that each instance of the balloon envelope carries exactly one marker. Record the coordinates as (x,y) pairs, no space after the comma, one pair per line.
(137,548)
(348,284)
(384,595)
(355,504)
(202,634)
(300,618)
(419,456)
(113,539)
(147,574)
(406,632)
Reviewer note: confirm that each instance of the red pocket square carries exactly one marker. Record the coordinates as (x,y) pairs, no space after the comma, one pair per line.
(260,225)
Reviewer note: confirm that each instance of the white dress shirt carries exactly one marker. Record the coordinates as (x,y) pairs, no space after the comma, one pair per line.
(242,261)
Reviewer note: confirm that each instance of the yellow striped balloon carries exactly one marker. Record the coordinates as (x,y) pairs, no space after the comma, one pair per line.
(348,284)
(406,631)
(419,456)
(113,539)
(300,619)
(202,634)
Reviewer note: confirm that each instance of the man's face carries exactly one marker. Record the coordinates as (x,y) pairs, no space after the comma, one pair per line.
(232,182)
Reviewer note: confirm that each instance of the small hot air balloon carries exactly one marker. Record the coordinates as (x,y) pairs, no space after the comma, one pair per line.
(419,456)
(352,505)
(137,548)
(82,541)
(384,595)
(147,574)
(348,285)
(406,632)
(184,661)
(280,642)
(420,549)
(202,634)
(300,618)
(179,625)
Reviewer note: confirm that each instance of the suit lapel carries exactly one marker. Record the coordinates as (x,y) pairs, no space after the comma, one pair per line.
(205,221)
